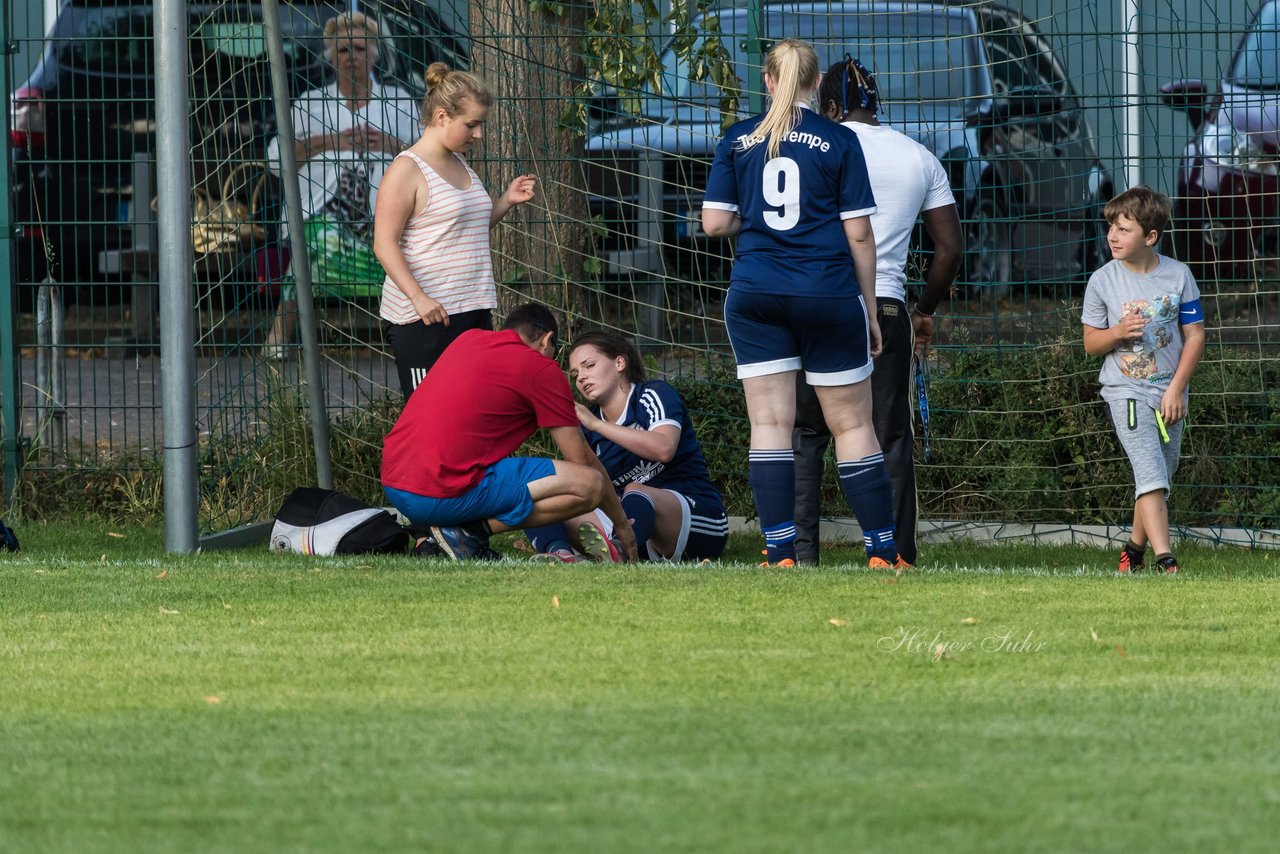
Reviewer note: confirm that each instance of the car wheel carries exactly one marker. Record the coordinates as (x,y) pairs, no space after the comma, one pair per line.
(990,251)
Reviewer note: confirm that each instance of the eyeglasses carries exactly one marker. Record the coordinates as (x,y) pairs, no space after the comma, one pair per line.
(555,345)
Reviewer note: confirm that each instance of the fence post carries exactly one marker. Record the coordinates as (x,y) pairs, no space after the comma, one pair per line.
(298,246)
(177,352)
(10,388)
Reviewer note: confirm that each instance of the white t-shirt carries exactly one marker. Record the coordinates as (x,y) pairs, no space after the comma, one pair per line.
(906,179)
(389,110)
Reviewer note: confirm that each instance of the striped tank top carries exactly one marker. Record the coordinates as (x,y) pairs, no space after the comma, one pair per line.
(447,248)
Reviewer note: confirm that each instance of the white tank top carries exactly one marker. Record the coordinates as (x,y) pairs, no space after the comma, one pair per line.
(447,247)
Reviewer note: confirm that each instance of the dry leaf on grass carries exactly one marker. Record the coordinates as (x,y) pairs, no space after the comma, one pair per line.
(118,536)
(164,610)
(162,575)
(836,621)
(555,601)
(971,621)
(1093,634)
(1120,650)
(940,651)
(213,700)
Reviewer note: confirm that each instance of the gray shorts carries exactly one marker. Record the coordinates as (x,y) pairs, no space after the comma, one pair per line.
(1153,459)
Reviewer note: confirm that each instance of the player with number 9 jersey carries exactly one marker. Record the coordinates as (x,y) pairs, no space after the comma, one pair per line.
(793,186)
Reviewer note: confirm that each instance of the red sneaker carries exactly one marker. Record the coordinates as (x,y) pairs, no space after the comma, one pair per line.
(1130,561)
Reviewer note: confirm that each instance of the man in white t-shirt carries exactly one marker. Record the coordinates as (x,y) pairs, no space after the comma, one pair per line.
(908,182)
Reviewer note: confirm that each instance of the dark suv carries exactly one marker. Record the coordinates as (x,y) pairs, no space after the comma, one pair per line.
(976,84)
(1227,203)
(89,107)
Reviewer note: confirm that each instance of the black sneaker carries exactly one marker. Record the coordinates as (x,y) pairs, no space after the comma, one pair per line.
(1168,565)
(427,547)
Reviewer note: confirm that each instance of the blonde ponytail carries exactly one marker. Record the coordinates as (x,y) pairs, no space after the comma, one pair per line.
(793,65)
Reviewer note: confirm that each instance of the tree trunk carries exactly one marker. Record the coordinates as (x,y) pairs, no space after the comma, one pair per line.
(531,62)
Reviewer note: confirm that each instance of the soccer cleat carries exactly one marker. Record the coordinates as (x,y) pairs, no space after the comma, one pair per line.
(879,563)
(596,546)
(1130,561)
(559,556)
(460,545)
(785,563)
(1168,565)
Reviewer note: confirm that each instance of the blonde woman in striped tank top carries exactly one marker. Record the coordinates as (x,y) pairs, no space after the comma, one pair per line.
(431,229)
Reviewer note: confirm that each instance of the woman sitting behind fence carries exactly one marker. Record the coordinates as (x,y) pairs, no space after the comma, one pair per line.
(344,136)
(432,229)
(644,437)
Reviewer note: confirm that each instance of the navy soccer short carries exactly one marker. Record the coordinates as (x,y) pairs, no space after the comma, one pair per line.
(826,336)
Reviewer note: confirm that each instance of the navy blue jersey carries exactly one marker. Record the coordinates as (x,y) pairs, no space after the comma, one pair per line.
(792,206)
(652,404)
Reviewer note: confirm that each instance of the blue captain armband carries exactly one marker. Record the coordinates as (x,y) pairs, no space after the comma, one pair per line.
(1190,312)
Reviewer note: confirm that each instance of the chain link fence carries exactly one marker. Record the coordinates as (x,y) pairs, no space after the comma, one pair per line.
(1040,111)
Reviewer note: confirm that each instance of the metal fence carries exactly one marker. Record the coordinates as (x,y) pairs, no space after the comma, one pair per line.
(1040,112)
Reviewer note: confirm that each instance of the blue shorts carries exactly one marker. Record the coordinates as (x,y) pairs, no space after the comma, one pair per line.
(826,336)
(502,494)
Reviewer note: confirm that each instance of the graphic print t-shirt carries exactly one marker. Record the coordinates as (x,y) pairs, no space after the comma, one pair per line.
(1141,369)
(792,206)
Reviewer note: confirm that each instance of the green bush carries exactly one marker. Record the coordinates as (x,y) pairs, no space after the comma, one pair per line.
(1019,434)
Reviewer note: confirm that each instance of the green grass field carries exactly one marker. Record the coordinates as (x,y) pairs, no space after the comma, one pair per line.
(999,698)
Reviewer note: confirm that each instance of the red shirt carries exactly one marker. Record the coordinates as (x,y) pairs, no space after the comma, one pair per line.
(486,395)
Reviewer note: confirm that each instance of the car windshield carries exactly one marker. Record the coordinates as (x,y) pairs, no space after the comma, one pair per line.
(1257,63)
(927,57)
(118,39)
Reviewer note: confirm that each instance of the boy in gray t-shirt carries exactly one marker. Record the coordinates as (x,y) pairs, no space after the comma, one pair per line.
(1142,314)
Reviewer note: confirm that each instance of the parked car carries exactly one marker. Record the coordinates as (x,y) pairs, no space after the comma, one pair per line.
(89,106)
(1227,201)
(975,83)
